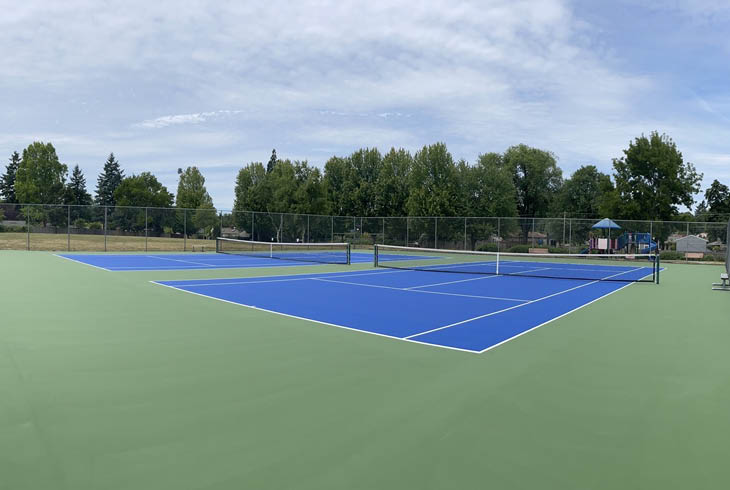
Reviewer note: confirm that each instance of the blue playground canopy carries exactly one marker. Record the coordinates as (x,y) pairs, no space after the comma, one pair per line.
(606,224)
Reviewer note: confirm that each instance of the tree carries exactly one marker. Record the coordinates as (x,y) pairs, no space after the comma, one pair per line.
(490,190)
(192,194)
(108,182)
(191,191)
(7,180)
(391,185)
(311,195)
(652,179)
(717,197)
(40,177)
(434,185)
(272,161)
(340,183)
(581,195)
(366,163)
(143,190)
(76,193)
(536,176)
(251,194)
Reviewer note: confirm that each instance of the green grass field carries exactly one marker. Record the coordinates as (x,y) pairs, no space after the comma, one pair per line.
(110,382)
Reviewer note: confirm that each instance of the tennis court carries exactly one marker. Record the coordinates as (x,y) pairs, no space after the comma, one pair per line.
(201,261)
(440,298)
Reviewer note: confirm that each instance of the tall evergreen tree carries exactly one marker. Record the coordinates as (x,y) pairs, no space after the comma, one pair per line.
(272,162)
(76,193)
(109,179)
(7,180)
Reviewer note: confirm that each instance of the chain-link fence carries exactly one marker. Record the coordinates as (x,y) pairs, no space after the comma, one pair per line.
(108,228)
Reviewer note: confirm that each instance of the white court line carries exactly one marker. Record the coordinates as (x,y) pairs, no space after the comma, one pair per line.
(84,263)
(553,319)
(253,280)
(178,260)
(416,290)
(473,279)
(318,321)
(514,307)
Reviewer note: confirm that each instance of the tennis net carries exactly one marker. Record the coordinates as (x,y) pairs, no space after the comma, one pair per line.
(590,267)
(326,253)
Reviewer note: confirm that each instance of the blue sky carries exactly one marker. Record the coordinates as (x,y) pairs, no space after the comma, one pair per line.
(219,84)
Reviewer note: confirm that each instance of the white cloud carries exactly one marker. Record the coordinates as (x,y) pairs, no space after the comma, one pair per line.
(200,117)
(145,80)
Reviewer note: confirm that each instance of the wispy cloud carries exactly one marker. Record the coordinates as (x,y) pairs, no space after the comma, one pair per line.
(197,118)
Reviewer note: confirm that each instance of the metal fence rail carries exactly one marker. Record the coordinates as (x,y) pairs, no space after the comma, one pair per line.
(122,228)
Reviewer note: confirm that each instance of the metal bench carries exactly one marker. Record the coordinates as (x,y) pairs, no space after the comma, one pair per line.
(722,286)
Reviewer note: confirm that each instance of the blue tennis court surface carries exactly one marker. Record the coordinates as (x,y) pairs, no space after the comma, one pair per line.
(458,311)
(191,261)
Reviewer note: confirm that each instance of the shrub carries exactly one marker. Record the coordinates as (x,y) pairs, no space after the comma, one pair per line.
(488,247)
(523,249)
(80,223)
(95,225)
(558,250)
(669,255)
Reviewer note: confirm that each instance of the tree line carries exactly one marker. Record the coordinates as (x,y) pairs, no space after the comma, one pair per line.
(38,177)
(649,181)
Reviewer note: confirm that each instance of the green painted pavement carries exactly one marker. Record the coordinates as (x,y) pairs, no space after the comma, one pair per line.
(110,382)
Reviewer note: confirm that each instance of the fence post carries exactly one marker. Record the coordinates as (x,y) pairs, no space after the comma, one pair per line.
(106,208)
(651,234)
(145,229)
(408,222)
(563,228)
(465,233)
(570,236)
(499,235)
(308,240)
(332,227)
(185,230)
(27,228)
(68,227)
(435,232)
(383,231)
(533,232)
(253,222)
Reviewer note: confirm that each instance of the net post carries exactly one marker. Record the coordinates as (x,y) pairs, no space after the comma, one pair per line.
(375,256)
(658,264)
(217,245)
(349,253)
(497,271)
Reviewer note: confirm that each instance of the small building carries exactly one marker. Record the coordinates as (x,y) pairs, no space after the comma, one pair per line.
(232,232)
(692,244)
